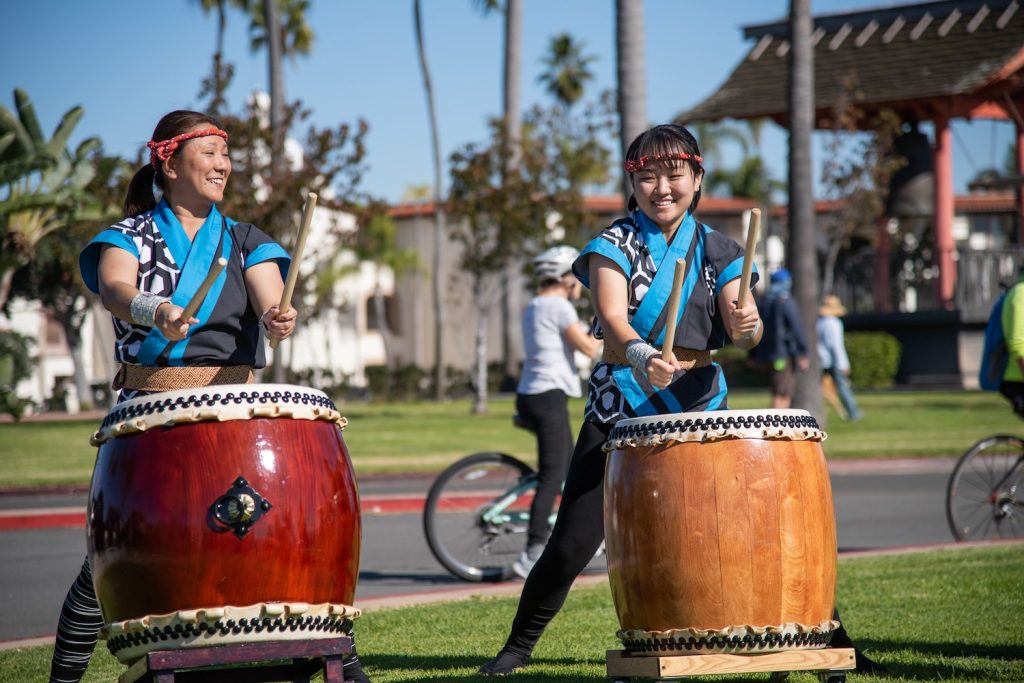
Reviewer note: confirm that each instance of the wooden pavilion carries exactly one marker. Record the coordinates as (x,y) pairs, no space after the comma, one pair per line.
(929,61)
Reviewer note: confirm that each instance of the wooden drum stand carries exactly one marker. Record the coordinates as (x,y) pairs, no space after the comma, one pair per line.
(832,663)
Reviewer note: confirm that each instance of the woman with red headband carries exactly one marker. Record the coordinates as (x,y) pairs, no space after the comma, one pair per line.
(146,269)
(629,268)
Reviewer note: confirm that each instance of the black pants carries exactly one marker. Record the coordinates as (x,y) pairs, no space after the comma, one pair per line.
(547,414)
(577,535)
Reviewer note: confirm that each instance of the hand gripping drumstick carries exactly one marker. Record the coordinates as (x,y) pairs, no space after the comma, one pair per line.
(753,227)
(197,298)
(672,310)
(300,244)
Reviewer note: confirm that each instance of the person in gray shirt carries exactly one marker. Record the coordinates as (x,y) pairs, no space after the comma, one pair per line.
(551,335)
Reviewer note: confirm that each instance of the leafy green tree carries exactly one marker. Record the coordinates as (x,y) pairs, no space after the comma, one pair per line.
(503,217)
(37,202)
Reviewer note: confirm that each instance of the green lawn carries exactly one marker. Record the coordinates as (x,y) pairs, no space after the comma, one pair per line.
(424,437)
(944,615)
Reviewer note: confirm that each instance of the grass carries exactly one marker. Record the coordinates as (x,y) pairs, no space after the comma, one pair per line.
(425,437)
(949,615)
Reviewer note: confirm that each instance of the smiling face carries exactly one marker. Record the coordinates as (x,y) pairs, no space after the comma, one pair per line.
(196,176)
(664,191)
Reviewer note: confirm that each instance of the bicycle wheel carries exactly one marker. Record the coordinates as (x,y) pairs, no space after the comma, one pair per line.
(477,514)
(985,498)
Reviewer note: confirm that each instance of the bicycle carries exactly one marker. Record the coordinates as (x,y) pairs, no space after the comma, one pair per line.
(985,496)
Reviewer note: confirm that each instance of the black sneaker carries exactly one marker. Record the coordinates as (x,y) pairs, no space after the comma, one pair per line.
(504,663)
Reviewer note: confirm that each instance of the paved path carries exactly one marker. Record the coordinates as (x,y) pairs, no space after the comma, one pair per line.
(880,505)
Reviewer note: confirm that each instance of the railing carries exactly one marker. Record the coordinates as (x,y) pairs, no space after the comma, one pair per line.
(913,282)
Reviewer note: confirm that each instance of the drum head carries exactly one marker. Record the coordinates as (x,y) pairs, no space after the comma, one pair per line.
(218,403)
(791,424)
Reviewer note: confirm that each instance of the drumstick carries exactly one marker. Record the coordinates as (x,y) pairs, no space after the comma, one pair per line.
(197,299)
(753,227)
(300,244)
(672,310)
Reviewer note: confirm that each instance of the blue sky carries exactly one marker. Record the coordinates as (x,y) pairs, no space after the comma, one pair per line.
(127,62)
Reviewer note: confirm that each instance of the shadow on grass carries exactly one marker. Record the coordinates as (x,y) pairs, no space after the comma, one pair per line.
(960,662)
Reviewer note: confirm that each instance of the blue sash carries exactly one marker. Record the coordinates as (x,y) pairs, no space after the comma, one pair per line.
(195,260)
(647,313)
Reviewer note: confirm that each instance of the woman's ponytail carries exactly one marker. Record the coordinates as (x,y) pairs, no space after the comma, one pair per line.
(140,197)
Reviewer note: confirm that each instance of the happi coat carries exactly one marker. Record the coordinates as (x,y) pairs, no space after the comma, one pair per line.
(228,331)
(638,247)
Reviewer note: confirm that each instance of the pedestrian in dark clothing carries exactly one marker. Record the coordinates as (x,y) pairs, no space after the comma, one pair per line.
(784,346)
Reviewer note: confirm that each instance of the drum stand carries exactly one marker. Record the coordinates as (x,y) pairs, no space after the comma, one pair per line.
(291,660)
(831,663)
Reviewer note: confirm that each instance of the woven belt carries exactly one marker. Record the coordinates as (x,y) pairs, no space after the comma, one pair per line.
(143,378)
(688,358)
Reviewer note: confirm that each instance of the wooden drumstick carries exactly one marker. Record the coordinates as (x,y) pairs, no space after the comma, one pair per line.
(753,227)
(300,244)
(672,310)
(197,299)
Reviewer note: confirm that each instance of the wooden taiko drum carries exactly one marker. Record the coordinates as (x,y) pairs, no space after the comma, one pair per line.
(720,533)
(222,515)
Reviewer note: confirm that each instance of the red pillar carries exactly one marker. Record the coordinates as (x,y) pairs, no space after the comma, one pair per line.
(944,211)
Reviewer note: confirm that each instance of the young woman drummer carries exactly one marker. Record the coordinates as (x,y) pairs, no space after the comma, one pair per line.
(629,268)
(146,269)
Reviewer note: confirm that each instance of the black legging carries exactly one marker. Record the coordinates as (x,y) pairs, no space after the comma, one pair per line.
(547,414)
(578,532)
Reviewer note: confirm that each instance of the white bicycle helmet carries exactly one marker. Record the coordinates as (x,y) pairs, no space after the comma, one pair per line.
(555,262)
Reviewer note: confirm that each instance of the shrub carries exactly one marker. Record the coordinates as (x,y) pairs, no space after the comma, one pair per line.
(740,373)
(874,359)
(16,364)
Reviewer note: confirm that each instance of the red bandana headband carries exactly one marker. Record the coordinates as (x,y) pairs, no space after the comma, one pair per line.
(636,164)
(162,150)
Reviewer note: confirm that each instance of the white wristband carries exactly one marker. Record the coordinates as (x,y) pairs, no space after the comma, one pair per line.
(751,335)
(639,353)
(143,308)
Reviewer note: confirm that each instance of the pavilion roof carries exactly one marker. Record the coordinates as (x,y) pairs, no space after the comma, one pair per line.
(962,58)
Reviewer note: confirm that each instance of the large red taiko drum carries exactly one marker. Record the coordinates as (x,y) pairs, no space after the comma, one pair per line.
(720,533)
(220,515)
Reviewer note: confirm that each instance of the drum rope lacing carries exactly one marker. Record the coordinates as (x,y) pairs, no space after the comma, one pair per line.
(773,426)
(136,415)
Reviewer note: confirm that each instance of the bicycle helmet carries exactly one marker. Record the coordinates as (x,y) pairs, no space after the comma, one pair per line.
(555,262)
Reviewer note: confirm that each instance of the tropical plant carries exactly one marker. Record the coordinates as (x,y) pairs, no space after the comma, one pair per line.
(567,69)
(16,364)
(631,77)
(512,118)
(222,71)
(437,272)
(43,183)
(801,248)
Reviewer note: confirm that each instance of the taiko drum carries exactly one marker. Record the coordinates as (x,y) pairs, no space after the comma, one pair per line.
(720,533)
(223,514)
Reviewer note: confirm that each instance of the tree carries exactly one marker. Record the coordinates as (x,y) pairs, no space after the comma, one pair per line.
(567,69)
(437,273)
(801,248)
(54,277)
(504,216)
(632,77)
(512,120)
(43,182)
(221,71)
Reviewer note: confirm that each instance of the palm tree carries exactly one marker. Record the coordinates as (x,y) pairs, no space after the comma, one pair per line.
(43,182)
(439,211)
(802,246)
(513,125)
(568,69)
(219,73)
(632,78)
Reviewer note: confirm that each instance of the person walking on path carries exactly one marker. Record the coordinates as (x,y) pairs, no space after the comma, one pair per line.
(784,346)
(835,362)
(551,336)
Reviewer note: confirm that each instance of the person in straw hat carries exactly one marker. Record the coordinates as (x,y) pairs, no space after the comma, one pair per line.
(835,363)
